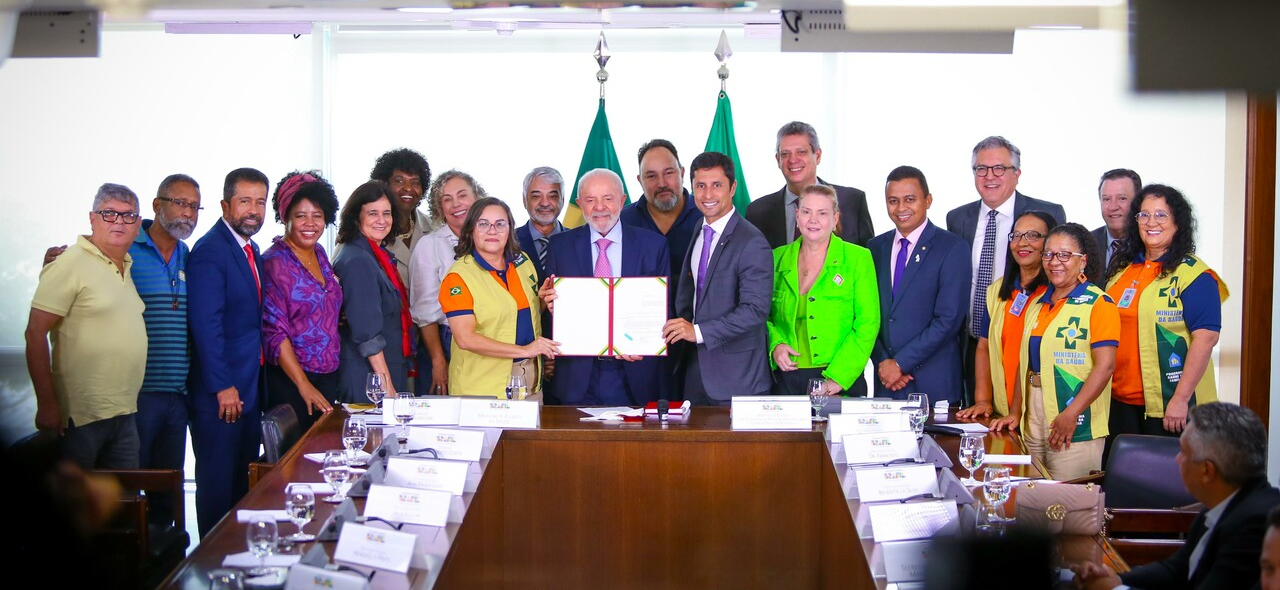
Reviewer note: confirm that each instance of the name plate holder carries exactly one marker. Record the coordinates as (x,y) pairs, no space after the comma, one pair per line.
(309,577)
(906,521)
(872,405)
(427,411)
(375,547)
(896,482)
(499,413)
(932,453)
(449,443)
(882,448)
(949,487)
(839,425)
(900,561)
(408,505)
(771,412)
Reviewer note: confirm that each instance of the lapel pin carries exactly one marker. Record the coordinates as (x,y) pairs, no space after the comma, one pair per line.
(839,280)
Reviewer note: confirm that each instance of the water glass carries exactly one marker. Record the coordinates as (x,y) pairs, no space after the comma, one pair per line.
(375,389)
(972,452)
(336,473)
(300,503)
(354,436)
(517,388)
(917,417)
(996,486)
(919,399)
(262,537)
(403,409)
(818,397)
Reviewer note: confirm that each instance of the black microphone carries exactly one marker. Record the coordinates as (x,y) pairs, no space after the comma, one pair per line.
(664,406)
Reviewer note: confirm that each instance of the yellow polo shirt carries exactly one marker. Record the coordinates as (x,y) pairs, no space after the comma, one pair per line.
(100,344)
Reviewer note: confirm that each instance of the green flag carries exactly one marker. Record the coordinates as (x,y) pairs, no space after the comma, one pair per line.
(598,153)
(721,139)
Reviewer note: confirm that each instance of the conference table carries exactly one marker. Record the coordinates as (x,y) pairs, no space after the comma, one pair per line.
(690,503)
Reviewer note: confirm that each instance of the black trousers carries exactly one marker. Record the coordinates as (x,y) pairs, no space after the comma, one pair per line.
(1131,419)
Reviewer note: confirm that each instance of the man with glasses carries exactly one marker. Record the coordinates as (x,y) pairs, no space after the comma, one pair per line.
(1115,191)
(87,306)
(985,225)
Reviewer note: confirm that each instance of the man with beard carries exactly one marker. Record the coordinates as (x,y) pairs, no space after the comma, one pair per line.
(665,207)
(408,175)
(226,330)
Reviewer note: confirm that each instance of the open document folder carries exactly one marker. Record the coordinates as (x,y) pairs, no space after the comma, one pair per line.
(598,317)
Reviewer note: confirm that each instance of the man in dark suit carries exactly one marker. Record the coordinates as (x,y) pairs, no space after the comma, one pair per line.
(923,276)
(985,225)
(225,316)
(1223,462)
(543,187)
(1115,191)
(798,156)
(605,247)
(723,295)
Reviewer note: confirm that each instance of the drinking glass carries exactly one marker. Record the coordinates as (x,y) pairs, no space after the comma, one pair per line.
(300,503)
(262,538)
(354,435)
(988,522)
(972,453)
(516,388)
(336,473)
(403,409)
(917,417)
(818,398)
(920,399)
(375,389)
(996,486)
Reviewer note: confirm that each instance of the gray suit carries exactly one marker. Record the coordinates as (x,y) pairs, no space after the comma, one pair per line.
(733,358)
(1103,237)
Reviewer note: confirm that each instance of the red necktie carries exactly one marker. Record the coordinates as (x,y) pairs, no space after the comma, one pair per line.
(248,251)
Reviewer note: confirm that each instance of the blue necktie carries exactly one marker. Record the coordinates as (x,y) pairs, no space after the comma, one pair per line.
(900,265)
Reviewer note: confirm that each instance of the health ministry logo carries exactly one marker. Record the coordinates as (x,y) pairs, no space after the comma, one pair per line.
(1072,333)
(1170,293)
(445,438)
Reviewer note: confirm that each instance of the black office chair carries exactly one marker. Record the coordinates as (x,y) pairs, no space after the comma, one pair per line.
(280,430)
(1143,473)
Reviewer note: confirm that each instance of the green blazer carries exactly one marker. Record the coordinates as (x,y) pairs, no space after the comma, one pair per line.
(844,308)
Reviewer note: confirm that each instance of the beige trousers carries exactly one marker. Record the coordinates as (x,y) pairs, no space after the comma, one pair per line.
(1065,464)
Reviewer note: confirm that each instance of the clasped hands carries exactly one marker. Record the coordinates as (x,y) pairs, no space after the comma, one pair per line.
(891,375)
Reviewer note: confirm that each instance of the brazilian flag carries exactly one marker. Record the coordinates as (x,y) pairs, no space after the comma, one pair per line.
(721,139)
(598,153)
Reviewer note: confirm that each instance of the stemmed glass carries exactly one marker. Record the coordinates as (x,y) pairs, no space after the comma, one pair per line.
(354,436)
(336,473)
(374,389)
(920,399)
(996,486)
(516,388)
(972,453)
(300,503)
(262,538)
(403,409)
(818,398)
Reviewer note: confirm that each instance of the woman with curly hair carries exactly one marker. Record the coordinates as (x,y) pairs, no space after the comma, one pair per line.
(301,299)
(1170,317)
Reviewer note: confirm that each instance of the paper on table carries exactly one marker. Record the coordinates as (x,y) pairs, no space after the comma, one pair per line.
(247,515)
(597,412)
(247,560)
(1008,459)
(361,456)
(967,427)
(611,414)
(317,487)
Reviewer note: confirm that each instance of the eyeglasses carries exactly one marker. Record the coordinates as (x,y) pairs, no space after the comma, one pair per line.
(182,204)
(1031,236)
(997,170)
(1063,256)
(109,216)
(483,226)
(1161,217)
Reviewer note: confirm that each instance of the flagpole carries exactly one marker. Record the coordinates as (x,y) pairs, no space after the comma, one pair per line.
(721,138)
(599,151)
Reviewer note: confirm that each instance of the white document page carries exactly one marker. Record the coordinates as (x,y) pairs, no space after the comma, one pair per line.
(581,317)
(639,312)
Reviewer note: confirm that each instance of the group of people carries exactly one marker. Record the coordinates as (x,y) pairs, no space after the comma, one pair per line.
(150,336)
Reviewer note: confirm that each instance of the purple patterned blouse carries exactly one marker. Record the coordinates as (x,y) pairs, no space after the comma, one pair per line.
(296,306)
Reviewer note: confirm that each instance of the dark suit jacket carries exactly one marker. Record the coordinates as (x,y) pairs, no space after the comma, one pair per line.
(371,321)
(1230,560)
(524,236)
(963,220)
(768,213)
(225,316)
(920,328)
(644,254)
(1103,238)
(732,312)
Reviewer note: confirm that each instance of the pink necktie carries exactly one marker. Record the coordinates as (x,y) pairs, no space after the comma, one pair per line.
(603,268)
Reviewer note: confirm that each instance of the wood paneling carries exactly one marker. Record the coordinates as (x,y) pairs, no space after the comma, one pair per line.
(1259,255)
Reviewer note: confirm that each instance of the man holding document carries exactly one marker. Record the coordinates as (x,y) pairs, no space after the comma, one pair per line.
(620,329)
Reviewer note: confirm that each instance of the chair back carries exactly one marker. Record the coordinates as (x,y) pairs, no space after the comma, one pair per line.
(1143,473)
(280,430)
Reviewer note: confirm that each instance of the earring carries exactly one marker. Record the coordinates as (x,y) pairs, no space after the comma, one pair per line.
(1082,278)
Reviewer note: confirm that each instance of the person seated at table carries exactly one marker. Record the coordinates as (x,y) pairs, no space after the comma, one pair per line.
(826,306)
(301,300)
(1010,300)
(375,304)
(1070,353)
(450,197)
(1222,460)
(486,299)
(1270,560)
(1170,317)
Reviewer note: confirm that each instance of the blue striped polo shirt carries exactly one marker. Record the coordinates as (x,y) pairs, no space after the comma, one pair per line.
(163,289)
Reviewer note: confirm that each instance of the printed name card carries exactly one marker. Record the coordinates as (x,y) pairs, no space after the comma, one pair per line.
(396,504)
(871,405)
(914,520)
(375,547)
(499,413)
(838,425)
(771,412)
(896,482)
(459,445)
(310,577)
(902,561)
(427,411)
(428,474)
(881,447)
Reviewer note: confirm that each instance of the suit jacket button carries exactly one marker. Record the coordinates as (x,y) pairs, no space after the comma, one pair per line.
(810,317)
(813,337)
(812,299)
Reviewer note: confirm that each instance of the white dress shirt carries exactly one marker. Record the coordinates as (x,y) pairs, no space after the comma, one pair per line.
(695,254)
(613,252)
(913,240)
(431,260)
(1004,225)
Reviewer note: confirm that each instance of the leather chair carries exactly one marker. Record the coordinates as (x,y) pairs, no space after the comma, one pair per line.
(280,430)
(1143,473)
(153,548)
